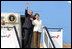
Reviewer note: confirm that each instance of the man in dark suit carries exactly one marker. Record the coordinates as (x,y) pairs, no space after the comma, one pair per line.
(28,28)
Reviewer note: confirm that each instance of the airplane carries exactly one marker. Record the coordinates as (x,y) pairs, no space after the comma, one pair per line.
(11,33)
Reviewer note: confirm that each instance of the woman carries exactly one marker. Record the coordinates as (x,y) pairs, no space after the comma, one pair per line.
(37,31)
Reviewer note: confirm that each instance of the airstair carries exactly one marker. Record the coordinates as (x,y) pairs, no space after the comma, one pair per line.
(52,38)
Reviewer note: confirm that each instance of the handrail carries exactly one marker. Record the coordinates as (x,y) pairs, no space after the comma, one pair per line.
(54,28)
(17,36)
(50,37)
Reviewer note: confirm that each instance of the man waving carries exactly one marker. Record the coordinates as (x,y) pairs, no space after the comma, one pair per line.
(28,28)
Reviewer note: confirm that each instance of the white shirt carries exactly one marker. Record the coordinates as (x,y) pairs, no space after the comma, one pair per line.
(37,25)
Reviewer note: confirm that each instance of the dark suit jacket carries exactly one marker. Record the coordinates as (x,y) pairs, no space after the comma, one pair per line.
(28,23)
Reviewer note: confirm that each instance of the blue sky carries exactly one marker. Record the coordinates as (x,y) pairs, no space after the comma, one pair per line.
(54,14)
